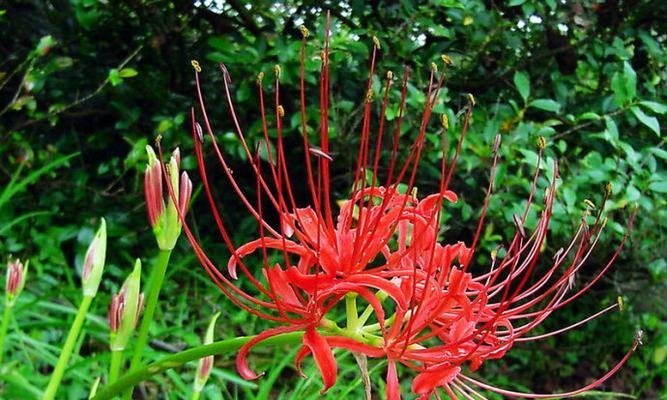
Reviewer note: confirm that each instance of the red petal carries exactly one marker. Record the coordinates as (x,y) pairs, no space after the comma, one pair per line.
(323,355)
(242,357)
(427,381)
(352,345)
(393,386)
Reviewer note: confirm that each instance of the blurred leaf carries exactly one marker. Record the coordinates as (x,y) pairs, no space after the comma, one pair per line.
(650,122)
(522,84)
(654,106)
(127,73)
(546,105)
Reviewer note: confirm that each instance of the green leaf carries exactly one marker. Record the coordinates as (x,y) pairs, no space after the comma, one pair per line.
(545,104)
(658,152)
(658,186)
(127,72)
(522,84)
(624,85)
(114,77)
(514,3)
(654,106)
(630,80)
(611,128)
(649,121)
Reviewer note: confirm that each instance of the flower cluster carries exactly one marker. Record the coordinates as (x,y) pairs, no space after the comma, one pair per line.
(424,308)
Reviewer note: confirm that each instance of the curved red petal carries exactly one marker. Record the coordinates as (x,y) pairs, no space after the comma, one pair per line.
(242,357)
(323,355)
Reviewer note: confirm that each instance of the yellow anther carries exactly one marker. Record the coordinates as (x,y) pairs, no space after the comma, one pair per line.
(607,188)
(281,111)
(195,65)
(434,67)
(260,76)
(471,99)
(446,59)
(376,42)
(369,94)
(304,31)
(589,204)
(413,193)
(494,254)
(444,120)
(277,71)
(158,140)
(604,221)
(390,75)
(541,142)
(323,55)
(619,301)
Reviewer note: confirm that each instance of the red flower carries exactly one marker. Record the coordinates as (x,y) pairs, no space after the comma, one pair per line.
(384,247)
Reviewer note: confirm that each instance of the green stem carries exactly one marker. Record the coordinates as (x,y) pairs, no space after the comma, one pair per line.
(195,395)
(67,349)
(154,286)
(116,363)
(351,311)
(6,315)
(176,360)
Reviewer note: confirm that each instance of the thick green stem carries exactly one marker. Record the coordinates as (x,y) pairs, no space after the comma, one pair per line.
(176,360)
(351,311)
(66,351)
(195,395)
(114,367)
(154,286)
(6,315)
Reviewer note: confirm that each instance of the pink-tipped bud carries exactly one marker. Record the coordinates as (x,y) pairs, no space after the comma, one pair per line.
(125,309)
(93,264)
(165,217)
(206,363)
(16,273)
(153,187)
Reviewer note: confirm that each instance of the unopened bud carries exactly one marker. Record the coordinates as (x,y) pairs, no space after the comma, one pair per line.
(165,219)
(206,363)
(125,309)
(93,264)
(16,273)
(589,204)
(434,67)
(619,301)
(390,75)
(304,31)
(607,188)
(281,111)
(446,59)
(277,71)
(260,76)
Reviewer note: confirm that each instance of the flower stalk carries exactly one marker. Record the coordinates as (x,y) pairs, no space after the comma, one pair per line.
(206,363)
(90,278)
(166,221)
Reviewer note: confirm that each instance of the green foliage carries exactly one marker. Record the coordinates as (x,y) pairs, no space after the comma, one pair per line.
(85,85)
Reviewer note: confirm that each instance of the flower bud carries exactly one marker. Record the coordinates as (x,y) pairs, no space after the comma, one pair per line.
(206,363)
(16,272)
(93,264)
(165,219)
(125,309)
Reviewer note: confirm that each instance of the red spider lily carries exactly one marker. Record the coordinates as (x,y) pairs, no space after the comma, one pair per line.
(384,247)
